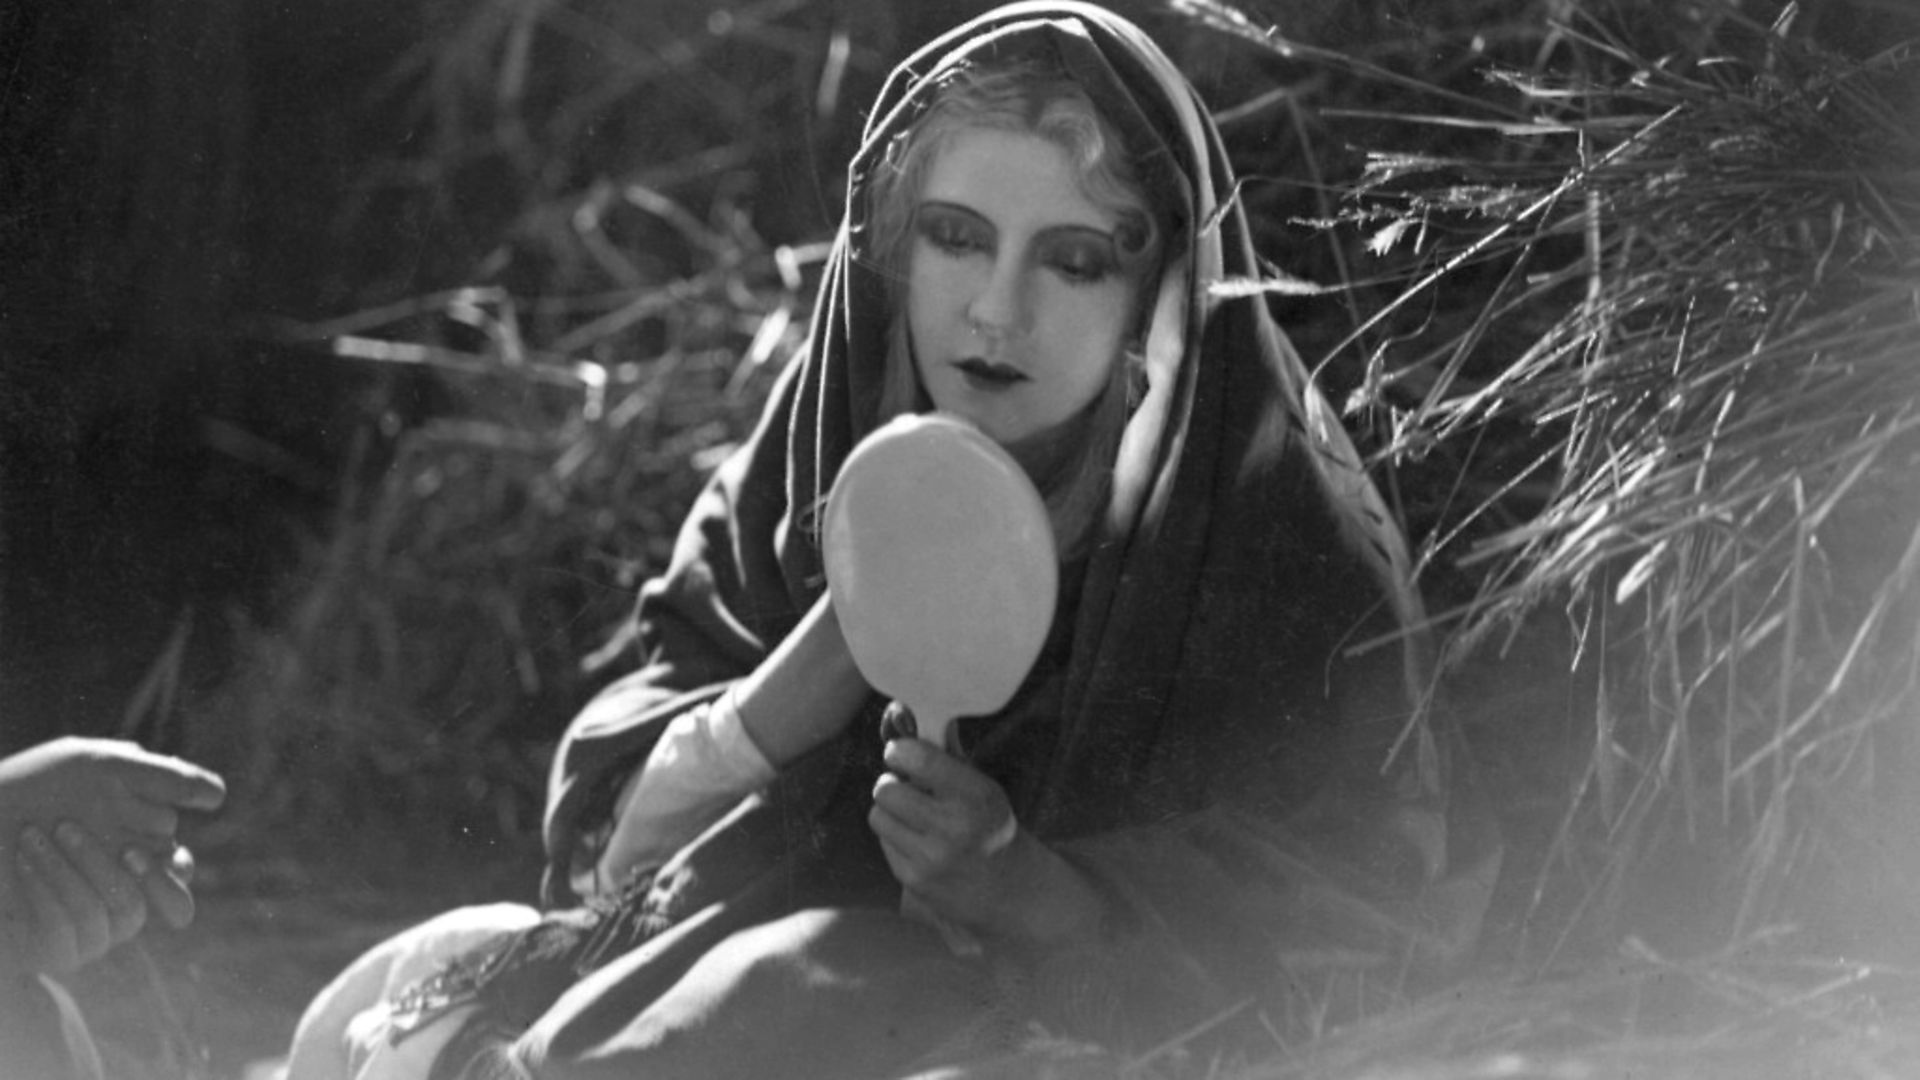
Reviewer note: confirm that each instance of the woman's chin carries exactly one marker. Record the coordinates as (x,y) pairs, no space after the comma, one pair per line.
(1008,438)
(993,427)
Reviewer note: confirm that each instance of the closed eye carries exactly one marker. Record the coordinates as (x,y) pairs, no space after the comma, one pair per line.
(1080,257)
(953,231)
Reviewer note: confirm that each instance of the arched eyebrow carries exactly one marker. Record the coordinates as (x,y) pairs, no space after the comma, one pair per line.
(946,207)
(1072,228)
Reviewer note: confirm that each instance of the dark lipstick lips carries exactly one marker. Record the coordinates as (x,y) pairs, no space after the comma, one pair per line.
(983,371)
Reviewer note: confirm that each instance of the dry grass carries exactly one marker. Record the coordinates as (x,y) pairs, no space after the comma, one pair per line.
(1721,419)
(1637,1014)
(1632,338)
(534,434)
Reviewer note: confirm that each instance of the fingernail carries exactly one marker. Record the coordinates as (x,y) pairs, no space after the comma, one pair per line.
(68,834)
(1002,837)
(136,861)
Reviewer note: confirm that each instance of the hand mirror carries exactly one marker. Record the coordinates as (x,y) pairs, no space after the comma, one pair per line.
(941,564)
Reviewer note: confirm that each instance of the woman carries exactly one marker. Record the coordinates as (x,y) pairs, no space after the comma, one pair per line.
(1201,798)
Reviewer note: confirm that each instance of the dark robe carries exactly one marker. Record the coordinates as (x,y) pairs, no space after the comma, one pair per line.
(1232,731)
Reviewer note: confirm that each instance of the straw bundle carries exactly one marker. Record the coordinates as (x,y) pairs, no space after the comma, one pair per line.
(1719,427)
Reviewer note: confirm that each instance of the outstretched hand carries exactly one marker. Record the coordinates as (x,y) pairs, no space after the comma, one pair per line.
(76,902)
(87,848)
(120,792)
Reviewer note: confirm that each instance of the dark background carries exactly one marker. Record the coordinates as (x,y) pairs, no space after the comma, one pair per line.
(169,169)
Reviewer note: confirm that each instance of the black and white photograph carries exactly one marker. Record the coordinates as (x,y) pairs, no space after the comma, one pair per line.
(955,540)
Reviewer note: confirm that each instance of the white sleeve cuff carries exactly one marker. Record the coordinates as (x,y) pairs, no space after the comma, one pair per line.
(704,763)
(733,751)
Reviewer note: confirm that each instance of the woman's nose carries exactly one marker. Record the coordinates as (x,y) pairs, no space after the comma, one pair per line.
(1000,306)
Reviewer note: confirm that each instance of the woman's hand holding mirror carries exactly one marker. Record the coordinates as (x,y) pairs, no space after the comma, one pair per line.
(942,568)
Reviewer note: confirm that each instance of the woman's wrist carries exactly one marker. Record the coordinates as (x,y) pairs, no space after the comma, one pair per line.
(1049,903)
(804,693)
(734,750)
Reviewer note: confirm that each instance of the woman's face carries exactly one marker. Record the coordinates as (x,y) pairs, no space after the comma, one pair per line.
(1017,302)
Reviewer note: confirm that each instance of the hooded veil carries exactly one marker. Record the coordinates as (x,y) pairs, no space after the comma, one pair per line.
(1258,796)
(1263,802)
